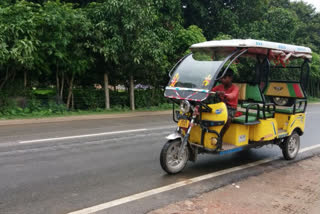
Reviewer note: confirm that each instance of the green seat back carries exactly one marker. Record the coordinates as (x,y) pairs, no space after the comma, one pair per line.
(242,119)
(249,92)
(253,93)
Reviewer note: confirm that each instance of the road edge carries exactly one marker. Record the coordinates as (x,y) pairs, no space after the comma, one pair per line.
(82,117)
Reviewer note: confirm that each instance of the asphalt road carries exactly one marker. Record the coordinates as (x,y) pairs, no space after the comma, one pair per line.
(44,170)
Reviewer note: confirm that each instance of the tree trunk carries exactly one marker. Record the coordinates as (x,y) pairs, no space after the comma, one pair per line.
(132,107)
(62,86)
(58,85)
(70,91)
(72,102)
(25,79)
(57,81)
(5,78)
(106,91)
(153,96)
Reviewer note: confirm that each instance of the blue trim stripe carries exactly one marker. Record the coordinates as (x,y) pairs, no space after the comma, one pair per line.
(230,151)
(274,129)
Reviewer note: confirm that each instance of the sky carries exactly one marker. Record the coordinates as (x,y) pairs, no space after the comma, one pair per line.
(315,3)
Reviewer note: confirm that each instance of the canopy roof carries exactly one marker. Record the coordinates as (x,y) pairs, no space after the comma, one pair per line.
(258,46)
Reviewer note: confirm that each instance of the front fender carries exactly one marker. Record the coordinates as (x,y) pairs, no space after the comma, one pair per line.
(174,136)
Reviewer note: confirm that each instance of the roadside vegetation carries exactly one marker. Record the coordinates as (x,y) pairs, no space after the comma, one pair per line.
(64,58)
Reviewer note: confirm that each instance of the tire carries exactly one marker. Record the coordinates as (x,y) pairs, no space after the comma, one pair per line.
(291,146)
(283,101)
(168,157)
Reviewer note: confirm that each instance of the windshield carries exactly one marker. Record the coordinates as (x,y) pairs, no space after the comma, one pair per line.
(198,70)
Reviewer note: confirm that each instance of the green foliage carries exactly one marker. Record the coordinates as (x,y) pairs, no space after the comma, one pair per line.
(34,107)
(315,66)
(94,99)
(48,42)
(186,37)
(279,25)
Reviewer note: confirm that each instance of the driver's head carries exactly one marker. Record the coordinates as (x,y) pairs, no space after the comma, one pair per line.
(228,77)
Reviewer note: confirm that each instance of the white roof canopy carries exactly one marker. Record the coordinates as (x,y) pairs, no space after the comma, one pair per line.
(259,47)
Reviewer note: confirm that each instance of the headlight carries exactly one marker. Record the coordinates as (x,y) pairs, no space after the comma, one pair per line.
(185,106)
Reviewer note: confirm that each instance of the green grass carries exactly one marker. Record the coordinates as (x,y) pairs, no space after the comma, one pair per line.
(44,91)
(313,99)
(115,110)
(47,114)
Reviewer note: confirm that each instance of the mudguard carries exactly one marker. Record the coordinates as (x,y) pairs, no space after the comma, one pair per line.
(174,136)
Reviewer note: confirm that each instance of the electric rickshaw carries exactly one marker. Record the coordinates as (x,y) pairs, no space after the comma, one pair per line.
(259,119)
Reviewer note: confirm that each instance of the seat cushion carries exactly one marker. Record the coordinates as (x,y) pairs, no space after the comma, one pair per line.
(288,110)
(242,120)
(245,105)
(268,114)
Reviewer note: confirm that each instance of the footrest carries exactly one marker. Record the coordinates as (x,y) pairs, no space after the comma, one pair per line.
(227,146)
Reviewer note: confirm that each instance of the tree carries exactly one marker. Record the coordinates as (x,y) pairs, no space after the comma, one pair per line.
(279,25)
(130,35)
(105,41)
(63,31)
(186,37)
(19,39)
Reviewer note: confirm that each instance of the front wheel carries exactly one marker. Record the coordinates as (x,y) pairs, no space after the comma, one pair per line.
(291,146)
(169,157)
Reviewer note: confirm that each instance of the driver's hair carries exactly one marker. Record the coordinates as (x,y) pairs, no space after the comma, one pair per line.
(229,73)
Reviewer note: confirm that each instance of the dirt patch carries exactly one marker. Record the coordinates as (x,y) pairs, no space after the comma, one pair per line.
(290,190)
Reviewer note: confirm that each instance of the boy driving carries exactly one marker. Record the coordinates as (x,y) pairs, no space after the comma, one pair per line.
(229,94)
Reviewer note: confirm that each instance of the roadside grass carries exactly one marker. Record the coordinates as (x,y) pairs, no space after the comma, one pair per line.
(313,99)
(116,110)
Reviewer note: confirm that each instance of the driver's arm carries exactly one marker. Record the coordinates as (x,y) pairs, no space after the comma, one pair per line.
(233,94)
(216,88)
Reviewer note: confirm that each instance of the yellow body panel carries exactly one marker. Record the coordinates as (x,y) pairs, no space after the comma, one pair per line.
(264,131)
(289,122)
(296,121)
(282,120)
(219,113)
(237,134)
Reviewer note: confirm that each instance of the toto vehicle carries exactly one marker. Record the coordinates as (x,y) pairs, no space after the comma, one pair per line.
(266,71)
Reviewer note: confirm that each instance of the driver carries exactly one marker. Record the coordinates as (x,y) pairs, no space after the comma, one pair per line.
(229,94)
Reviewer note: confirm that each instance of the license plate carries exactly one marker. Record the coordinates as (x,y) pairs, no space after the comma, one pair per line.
(183,123)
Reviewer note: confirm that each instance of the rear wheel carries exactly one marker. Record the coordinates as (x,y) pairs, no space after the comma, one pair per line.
(291,146)
(169,157)
(283,101)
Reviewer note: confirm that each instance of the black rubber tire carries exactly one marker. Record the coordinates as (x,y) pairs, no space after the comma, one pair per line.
(289,101)
(164,156)
(286,146)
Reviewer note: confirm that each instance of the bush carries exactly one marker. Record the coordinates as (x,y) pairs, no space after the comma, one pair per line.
(43,102)
(88,99)
(91,99)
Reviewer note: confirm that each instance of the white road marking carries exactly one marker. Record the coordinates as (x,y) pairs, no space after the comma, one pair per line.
(93,135)
(155,191)
(309,148)
(82,136)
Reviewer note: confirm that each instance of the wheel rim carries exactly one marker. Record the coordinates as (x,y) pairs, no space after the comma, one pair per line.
(281,101)
(173,163)
(293,145)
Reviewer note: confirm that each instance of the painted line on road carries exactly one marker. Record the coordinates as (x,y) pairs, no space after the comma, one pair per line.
(82,136)
(155,191)
(309,148)
(93,135)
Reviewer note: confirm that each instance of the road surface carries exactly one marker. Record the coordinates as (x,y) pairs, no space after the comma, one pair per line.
(68,166)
